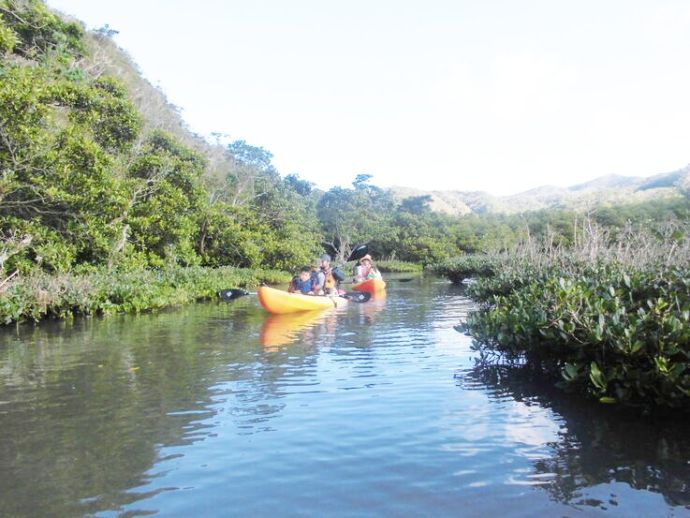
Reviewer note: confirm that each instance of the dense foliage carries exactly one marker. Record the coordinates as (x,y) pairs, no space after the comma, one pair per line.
(65,295)
(83,185)
(87,182)
(614,323)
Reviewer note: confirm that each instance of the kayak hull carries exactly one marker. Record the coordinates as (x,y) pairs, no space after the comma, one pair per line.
(370,286)
(280,302)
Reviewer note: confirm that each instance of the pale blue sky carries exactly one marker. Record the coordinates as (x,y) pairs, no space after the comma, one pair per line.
(494,95)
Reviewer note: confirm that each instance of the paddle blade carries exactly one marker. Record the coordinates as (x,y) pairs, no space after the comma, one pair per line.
(358,252)
(232,294)
(357,296)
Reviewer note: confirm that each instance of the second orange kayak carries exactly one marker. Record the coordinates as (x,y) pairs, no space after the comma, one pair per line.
(370,286)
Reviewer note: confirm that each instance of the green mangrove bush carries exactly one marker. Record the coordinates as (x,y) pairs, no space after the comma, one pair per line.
(609,320)
(62,296)
(394,266)
(618,334)
(465,267)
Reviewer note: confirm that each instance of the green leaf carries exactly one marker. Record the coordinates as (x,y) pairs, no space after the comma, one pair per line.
(608,400)
(597,377)
(571,371)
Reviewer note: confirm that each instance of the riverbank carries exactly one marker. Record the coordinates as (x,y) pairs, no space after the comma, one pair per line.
(43,296)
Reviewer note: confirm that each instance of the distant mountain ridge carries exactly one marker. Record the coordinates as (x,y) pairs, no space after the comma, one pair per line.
(605,190)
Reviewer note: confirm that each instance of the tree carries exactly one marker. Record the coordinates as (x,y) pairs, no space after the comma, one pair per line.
(301,187)
(418,205)
(352,216)
(106,31)
(256,157)
(165,221)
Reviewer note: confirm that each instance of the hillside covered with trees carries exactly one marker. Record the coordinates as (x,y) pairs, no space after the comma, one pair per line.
(87,181)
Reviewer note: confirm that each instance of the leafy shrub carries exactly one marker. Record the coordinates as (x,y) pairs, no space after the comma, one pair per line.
(461,268)
(616,333)
(101,292)
(40,32)
(8,38)
(610,319)
(393,266)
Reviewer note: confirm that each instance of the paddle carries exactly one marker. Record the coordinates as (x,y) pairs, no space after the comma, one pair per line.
(234,293)
(358,252)
(356,296)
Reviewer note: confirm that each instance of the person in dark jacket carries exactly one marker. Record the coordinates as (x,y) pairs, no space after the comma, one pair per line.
(328,277)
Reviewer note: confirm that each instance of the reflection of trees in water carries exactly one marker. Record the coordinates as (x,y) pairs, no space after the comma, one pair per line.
(257,388)
(86,406)
(598,445)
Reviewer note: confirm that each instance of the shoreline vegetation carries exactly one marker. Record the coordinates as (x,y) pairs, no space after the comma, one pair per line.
(608,317)
(43,296)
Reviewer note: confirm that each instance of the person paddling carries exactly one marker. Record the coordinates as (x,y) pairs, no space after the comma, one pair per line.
(365,269)
(328,277)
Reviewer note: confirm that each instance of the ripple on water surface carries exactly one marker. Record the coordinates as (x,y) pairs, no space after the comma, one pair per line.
(377,409)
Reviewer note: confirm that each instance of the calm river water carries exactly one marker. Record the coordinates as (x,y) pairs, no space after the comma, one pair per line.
(376,409)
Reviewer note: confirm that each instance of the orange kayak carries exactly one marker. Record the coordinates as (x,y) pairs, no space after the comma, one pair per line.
(370,286)
(279,302)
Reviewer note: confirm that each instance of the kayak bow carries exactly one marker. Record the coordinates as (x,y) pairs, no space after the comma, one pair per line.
(370,286)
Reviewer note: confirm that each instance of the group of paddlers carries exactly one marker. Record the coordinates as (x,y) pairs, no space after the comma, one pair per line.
(324,279)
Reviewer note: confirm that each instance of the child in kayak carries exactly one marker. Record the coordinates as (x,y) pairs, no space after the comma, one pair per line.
(365,269)
(303,282)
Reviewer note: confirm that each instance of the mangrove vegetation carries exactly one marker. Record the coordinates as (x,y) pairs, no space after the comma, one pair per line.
(608,316)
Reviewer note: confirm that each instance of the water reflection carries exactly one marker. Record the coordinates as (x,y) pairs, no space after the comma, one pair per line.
(306,327)
(279,330)
(367,312)
(596,448)
(85,405)
(221,409)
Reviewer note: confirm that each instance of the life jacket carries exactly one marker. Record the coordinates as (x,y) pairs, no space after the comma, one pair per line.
(329,283)
(363,272)
(373,273)
(302,286)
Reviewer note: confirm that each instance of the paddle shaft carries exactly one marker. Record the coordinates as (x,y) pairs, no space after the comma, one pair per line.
(234,293)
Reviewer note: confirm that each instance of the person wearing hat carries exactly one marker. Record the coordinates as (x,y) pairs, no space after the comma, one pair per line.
(365,269)
(328,277)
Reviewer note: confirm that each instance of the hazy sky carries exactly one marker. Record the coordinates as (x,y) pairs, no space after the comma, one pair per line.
(493,95)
